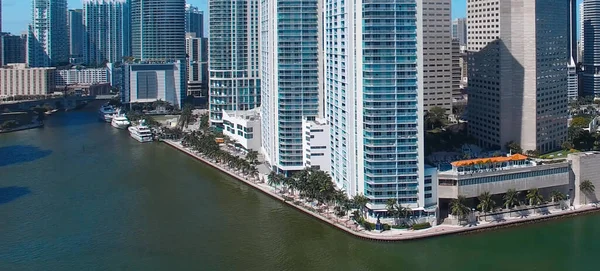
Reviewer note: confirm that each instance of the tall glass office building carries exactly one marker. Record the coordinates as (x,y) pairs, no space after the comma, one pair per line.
(76,34)
(373,83)
(591,48)
(158,29)
(233,57)
(48,41)
(291,34)
(103,24)
(194,21)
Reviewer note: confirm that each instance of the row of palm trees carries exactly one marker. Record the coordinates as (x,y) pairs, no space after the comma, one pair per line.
(459,207)
(206,144)
(309,184)
(313,185)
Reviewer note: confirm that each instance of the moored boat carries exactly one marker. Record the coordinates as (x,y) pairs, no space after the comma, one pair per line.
(119,121)
(106,113)
(141,132)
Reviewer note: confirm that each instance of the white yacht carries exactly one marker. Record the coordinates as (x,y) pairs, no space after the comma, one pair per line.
(119,121)
(141,132)
(106,113)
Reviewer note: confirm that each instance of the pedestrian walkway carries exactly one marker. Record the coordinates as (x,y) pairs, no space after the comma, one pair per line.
(349,226)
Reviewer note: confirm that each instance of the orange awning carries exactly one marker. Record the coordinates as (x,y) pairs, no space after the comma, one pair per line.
(516,157)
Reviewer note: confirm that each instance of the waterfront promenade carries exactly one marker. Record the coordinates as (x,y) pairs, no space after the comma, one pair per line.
(348,226)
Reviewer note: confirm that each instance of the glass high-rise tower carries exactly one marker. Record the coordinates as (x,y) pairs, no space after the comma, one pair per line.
(48,41)
(76,35)
(234,61)
(194,21)
(374,87)
(103,24)
(291,83)
(158,29)
(591,48)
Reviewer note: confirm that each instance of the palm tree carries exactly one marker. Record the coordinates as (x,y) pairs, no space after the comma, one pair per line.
(557,196)
(361,201)
(253,172)
(186,116)
(274,179)
(587,187)
(511,198)
(204,122)
(392,208)
(252,157)
(534,197)
(459,208)
(486,203)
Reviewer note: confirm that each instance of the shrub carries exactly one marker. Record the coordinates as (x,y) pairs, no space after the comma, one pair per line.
(400,227)
(421,226)
(368,225)
(386,227)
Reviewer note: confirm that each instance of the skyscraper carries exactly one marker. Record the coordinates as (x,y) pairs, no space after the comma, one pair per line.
(581,34)
(291,85)
(572,76)
(158,29)
(103,23)
(1,50)
(48,42)
(234,61)
(459,30)
(76,35)
(197,52)
(127,29)
(374,88)
(194,21)
(456,73)
(519,51)
(591,48)
(14,47)
(437,55)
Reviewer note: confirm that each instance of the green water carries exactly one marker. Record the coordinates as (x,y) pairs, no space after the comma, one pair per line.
(81,195)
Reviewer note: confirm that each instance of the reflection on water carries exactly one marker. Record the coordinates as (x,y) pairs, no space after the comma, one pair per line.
(8,194)
(17,154)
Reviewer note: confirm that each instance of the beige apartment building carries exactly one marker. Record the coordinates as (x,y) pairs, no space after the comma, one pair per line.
(437,55)
(18,79)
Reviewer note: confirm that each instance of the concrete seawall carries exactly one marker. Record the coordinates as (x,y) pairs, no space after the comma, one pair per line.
(394,236)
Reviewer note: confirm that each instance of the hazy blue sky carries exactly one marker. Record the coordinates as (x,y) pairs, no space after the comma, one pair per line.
(16,14)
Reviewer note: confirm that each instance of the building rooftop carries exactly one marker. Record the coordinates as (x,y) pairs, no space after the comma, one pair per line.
(252,114)
(471,162)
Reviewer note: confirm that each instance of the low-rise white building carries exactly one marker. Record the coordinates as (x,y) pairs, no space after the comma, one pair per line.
(243,127)
(79,76)
(315,144)
(150,82)
(18,79)
(496,175)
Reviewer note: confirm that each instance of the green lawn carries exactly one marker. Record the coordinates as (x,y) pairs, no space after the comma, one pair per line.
(558,154)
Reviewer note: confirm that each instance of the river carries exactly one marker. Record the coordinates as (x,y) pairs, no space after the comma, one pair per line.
(81,195)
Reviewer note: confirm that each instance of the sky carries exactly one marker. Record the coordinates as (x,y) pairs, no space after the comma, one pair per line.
(16,14)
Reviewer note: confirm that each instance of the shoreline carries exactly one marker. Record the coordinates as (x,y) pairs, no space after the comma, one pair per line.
(387,236)
(22,128)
